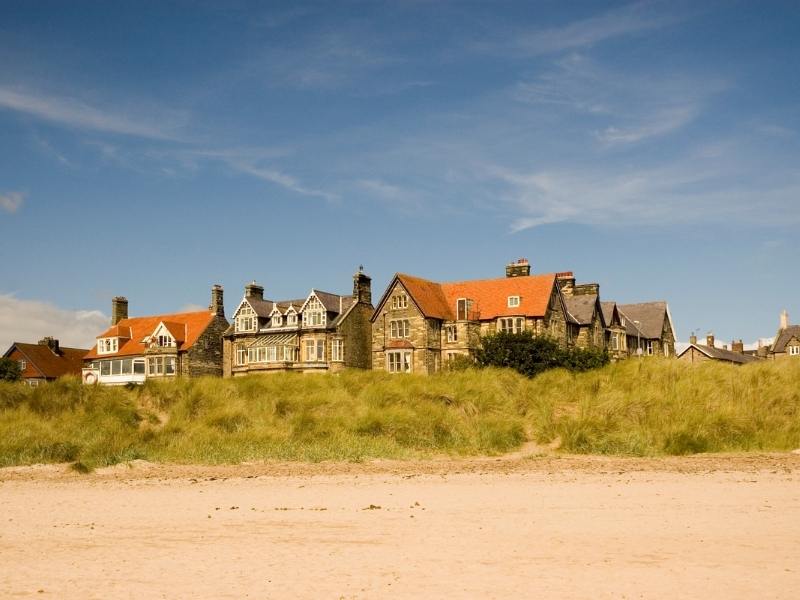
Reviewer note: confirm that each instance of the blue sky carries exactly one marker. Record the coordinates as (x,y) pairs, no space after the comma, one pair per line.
(152,149)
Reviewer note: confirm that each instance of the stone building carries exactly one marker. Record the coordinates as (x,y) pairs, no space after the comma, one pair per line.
(648,328)
(45,361)
(419,324)
(318,333)
(698,353)
(158,346)
(787,340)
(615,332)
(585,319)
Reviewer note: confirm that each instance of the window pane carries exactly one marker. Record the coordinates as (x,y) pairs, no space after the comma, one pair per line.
(105,368)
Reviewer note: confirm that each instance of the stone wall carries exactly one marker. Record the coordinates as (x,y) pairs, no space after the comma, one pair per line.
(205,357)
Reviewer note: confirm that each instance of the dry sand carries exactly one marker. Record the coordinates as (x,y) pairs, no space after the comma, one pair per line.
(701,527)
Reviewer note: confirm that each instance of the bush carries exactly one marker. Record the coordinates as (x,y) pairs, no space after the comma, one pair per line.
(530,355)
(9,369)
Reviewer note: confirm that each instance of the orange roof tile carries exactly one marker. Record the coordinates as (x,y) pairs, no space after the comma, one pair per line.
(428,296)
(194,323)
(116,331)
(177,330)
(489,296)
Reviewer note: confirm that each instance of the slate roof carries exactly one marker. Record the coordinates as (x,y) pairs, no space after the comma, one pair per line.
(581,308)
(193,323)
(608,308)
(784,336)
(720,354)
(650,315)
(489,296)
(68,361)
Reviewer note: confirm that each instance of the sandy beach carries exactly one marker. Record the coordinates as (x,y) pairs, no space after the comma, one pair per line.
(532,527)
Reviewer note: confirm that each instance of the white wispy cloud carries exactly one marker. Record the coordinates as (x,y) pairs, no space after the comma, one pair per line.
(31,320)
(279,178)
(76,113)
(633,106)
(11,201)
(679,193)
(627,20)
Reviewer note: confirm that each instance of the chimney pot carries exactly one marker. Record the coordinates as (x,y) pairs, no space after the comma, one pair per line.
(784,319)
(693,339)
(519,268)
(710,340)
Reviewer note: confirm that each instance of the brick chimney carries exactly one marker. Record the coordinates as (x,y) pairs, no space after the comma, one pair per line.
(217,305)
(566,282)
(710,340)
(693,339)
(119,309)
(520,268)
(784,320)
(51,343)
(737,346)
(253,290)
(362,286)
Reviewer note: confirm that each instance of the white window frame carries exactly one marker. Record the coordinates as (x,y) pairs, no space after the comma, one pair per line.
(451,331)
(315,350)
(291,318)
(463,308)
(241,355)
(399,328)
(399,301)
(513,301)
(246,318)
(337,350)
(23,364)
(399,361)
(511,324)
(794,350)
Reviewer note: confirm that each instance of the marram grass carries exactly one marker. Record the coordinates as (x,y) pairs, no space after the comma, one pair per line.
(638,407)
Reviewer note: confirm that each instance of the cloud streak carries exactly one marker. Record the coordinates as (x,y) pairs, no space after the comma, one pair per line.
(75,113)
(627,20)
(11,201)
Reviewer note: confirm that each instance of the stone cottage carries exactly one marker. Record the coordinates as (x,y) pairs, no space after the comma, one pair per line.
(321,332)
(420,324)
(649,329)
(158,346)
(787,340)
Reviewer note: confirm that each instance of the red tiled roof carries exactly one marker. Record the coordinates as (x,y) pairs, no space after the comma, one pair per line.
(43,362)
(116,331)
(177,330)
(399,344)
(489,296)
(194,323)
(428,295)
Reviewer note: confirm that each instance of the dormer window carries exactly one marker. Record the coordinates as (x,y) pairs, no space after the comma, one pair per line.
(165,341)
(107,345)
(277,319)
(291,317)
(246,319)
(463,309)
(513,301)
(314,313)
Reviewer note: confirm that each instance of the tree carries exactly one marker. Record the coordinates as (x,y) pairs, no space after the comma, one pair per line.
(531,355)
(9,370)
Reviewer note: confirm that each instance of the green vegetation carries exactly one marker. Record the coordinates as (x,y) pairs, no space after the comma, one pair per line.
(530,355)
(637,407)
(9,369)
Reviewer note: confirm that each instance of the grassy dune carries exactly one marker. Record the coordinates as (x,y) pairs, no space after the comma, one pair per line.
(639,407)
